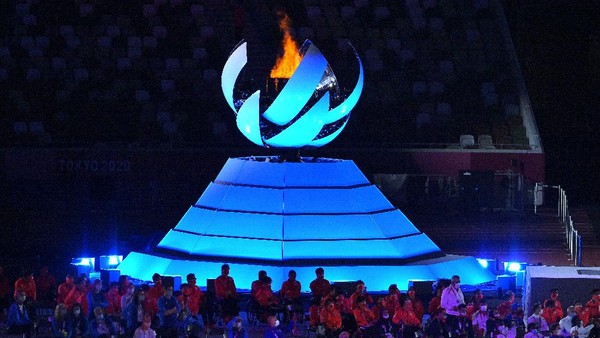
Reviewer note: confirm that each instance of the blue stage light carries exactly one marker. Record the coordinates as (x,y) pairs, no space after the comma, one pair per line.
(114,260)
(513,267)
(483,262)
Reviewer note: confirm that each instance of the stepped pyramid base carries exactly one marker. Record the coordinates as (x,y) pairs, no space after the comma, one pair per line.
(264,214)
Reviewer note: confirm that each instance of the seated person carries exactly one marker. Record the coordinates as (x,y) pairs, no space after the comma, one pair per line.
(80,326)
(61,322)
(290,294)
(267,301)
(405,317)
(235,328)
(191,326)
(18,321)
(361,291)
(226,294)
(365,318)
(331,319)
(144,330)
(193,295)
(540,322)
(436,327)
(101,326)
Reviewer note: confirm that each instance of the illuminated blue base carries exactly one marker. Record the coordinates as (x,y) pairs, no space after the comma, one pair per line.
(261,214)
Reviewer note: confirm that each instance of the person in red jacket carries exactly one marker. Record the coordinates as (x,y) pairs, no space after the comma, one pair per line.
(26,284)
(405,318)
(557,305)
(157,290)
(195,296)
(331,319)
(320,286)
(436,301)
(391,300)
(257,283)
(290,295)
(361,291)
(77,294)
(378,308)
(268,302)
(114,300)
(364,317)
(64,289)
(46,284)
(226,294)
(593,305)
(417,304)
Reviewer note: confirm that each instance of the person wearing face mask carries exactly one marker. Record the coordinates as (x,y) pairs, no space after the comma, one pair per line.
(101,326)
(77,294)
(476,300)
(551,313)
(274,330)
(452,297)
(536,318)
(27,285)
(593,305)
(96,298)
(144,330)
(385,325)
(139,306)
(331,319)
(463,326)
(65,288)
(361,291)
(505,309)
(557,305)
(80,326)
(378,308)
(437,327)
(417,304)
(582,313)
(235,329)
(61,322)
(168,310)
(157,290)
(566,323)
(18,321)
(480,318)
(127,297)
(405,319)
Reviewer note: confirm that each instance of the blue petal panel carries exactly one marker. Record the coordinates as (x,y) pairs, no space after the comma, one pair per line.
(248,119)
(304,129)
(237,60)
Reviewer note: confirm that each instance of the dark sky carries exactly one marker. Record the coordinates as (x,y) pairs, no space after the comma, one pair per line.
(558,45)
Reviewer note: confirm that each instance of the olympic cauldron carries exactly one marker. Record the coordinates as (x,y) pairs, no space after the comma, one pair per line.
(264,213)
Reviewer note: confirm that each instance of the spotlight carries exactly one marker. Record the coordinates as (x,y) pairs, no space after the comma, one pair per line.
(513,267)
(483,262)
(110,261)
(84,265)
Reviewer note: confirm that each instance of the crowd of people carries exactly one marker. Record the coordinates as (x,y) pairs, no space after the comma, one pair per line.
(85,308)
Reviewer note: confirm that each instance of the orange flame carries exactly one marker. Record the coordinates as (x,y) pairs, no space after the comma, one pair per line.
(287,63)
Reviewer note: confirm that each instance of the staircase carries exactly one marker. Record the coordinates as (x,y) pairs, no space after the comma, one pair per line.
(504,236)
(589,238)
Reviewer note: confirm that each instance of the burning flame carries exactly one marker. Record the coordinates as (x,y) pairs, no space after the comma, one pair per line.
(289,61)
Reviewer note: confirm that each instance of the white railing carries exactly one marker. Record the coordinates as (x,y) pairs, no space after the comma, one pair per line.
(573,238)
